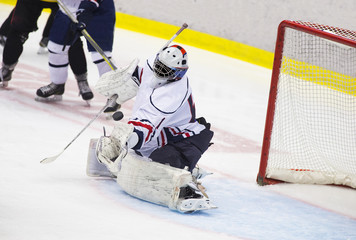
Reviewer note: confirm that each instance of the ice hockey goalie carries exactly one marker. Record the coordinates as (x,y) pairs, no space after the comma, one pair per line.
(154,155)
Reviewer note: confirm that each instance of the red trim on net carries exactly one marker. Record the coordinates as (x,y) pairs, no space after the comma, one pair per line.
(348,38)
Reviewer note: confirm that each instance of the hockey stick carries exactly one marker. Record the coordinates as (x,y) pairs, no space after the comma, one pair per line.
(87,36)
(108,103)
(184,26)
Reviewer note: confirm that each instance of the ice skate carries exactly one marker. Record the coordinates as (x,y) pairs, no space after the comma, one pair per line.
(6,74)
(50,93)
(199,173)
(42,50)
(84,89)
(192,200)
(43,46)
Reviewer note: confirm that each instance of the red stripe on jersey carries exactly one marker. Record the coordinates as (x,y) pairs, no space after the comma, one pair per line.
(141,75)
(140,124)
(174,131)
(184,134)
(163,140)
(96,2)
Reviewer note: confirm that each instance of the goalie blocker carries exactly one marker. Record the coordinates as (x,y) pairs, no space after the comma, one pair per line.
(151,181)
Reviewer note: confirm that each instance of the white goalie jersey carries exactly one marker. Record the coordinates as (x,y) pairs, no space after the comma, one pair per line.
(161,115)
(156,110)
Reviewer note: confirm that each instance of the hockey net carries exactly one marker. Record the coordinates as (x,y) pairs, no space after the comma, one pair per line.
(310,131)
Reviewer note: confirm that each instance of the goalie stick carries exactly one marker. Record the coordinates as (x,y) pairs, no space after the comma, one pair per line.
(87,36)
(108,103)
(184,26)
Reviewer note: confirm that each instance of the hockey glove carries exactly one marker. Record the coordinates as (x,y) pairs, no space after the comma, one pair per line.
(121,82)
(85,14)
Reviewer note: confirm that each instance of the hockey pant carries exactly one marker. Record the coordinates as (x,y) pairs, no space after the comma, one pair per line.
(186,152)
(100,28)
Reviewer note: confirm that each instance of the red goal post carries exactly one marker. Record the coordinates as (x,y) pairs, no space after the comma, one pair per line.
(310,130)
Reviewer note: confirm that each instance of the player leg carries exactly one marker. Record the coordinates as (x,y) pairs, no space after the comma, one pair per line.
(45,33)
(185,153)
(151,181)
(58,60)
(101,29)
(58,69)
(78,64)
(24,21)
(5,28)
(161,184)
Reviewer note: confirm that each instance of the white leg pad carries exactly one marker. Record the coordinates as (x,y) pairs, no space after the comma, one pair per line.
(151,181)
(94,167)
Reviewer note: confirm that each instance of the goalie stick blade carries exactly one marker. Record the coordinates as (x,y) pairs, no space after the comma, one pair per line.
(109,101)
(50,159)
(54,98)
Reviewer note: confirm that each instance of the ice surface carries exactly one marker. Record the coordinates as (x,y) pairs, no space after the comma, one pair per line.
(58,201)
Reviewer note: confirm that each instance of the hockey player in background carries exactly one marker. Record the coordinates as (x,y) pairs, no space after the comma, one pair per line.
(154,155)
(24,20)
(98,18)
(5,27)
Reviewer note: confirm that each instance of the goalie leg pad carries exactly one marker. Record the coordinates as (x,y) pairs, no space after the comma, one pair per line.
(94,167)
(152,181)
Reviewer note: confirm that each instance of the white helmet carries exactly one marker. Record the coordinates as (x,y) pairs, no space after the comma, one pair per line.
(170,65)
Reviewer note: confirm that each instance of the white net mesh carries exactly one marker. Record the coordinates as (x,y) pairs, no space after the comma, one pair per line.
(314,127)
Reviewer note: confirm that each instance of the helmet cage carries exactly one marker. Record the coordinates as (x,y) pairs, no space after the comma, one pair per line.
(167,73)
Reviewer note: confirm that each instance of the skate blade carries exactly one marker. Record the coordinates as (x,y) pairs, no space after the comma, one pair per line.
(4,84)
(42,50)
(54,98)
(193,205)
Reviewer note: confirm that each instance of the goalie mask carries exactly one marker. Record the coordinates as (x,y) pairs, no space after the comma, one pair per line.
(170,65)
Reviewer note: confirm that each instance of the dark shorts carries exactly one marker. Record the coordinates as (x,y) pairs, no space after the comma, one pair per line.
(186,152)
(26,14)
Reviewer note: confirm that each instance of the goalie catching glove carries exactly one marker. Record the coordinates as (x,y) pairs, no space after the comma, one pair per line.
(120,82)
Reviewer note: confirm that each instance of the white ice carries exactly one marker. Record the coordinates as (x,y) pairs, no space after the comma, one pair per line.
(58,201)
